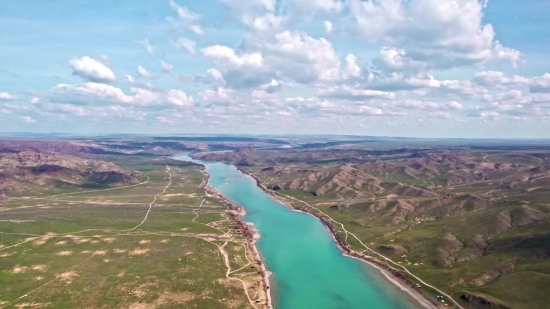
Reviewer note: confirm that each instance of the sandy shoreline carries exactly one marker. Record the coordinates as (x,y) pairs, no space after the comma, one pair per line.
(386,271)
(238,215)
(266,272)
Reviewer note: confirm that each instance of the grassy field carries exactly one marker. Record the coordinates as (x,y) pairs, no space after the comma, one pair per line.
(162,243)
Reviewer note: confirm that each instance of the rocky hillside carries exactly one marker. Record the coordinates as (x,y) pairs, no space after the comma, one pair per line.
(474,222)
(343,180)
(32,171)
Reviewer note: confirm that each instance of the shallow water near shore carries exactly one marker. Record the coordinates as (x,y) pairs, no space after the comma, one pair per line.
(309,269)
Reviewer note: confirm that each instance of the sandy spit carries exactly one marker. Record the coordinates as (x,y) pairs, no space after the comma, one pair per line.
(252,242)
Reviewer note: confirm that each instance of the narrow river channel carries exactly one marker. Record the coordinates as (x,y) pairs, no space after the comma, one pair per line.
(309,271)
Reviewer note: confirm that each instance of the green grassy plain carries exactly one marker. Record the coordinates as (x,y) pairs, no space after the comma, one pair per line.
(87,248)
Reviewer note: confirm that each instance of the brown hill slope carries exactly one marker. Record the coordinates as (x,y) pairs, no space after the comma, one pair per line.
(19,171)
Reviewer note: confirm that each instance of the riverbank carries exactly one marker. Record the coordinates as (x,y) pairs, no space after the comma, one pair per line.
(252,235)
(391,274)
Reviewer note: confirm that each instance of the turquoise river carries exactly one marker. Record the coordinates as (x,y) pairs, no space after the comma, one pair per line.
(309,271)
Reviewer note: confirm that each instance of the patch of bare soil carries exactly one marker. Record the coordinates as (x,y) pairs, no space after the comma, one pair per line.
(19,269)
(67,277)
(41,241)
(64,253)
(144,242)
(139,251)
(141,290)
(78,240)
(40,268)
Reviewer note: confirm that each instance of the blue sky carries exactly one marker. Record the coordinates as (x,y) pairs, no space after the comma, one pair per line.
(421,68)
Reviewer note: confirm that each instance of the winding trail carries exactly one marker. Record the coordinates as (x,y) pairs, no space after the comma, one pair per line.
(224,253)
(92,255)
(246,256)
(155,199)
(20,243)
(373,251)
(89,230)
(226,260)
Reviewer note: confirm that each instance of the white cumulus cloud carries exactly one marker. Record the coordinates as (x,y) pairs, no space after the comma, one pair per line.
(186,19)
(186,44)
(329,27)
(286,55)
(216,75)
(541,84)
(166,67)
(101,94)
(88,93)
(144,73)
(282,56)
(28,119)
(354,94)
(147,45)
(4,96)
(179,98)
(499,79)
(352,69)
(455,105)
(224,54)
(92,70)
(430,34)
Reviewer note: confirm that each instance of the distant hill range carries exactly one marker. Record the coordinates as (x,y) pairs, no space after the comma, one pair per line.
(36,167)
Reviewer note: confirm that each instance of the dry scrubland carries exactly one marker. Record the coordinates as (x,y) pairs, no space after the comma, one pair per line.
(473,223)
(75,246)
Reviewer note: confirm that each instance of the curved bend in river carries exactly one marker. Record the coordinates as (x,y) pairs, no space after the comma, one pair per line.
(309,269)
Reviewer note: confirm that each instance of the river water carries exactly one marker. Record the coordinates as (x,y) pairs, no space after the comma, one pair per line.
(309,271)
